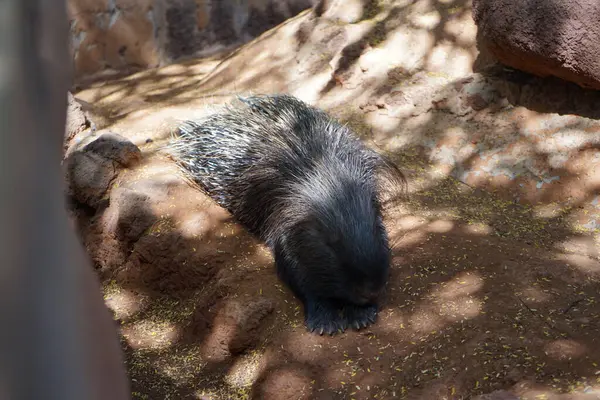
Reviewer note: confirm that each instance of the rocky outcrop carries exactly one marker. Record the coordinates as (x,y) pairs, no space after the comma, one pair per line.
(558,38)
(125,34)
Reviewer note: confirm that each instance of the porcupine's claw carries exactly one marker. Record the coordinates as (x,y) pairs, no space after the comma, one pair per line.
(323,317)
(360,316)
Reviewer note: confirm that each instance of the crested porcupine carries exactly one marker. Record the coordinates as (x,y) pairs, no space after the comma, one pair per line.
(302,183)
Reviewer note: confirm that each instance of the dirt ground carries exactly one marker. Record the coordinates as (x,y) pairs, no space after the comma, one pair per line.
(485,295)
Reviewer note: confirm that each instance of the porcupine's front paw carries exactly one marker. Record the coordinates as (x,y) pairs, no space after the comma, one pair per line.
(358,317)
(324,317)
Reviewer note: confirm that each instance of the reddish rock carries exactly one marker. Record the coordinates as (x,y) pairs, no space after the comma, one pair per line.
(546,38)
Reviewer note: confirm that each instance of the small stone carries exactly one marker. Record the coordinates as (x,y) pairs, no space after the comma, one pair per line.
(115,147)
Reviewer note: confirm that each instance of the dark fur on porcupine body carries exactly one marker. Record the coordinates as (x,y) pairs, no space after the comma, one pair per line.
(309,189)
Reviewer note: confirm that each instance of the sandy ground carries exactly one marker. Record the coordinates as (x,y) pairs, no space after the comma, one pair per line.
(494,289)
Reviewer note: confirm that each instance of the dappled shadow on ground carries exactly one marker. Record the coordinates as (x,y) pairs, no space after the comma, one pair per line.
(480,298)
(175,270)
(491,133)
(484,293)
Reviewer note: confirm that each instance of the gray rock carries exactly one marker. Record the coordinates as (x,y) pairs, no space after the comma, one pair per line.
(115,147)
(89,176)
(89,171)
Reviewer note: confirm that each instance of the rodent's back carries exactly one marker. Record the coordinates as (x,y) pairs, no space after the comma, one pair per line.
(305,158)
(250,155)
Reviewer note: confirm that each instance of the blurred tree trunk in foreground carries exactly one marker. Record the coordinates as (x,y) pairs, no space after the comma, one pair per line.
(58,340)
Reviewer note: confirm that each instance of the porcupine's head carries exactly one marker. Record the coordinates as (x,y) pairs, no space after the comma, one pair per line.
(342,241)
(360,251)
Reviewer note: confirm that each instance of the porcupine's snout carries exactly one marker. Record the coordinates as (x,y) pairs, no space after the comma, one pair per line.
(368,297)
(367,294)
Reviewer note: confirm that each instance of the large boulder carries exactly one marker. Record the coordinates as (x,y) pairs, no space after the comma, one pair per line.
(543,37)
